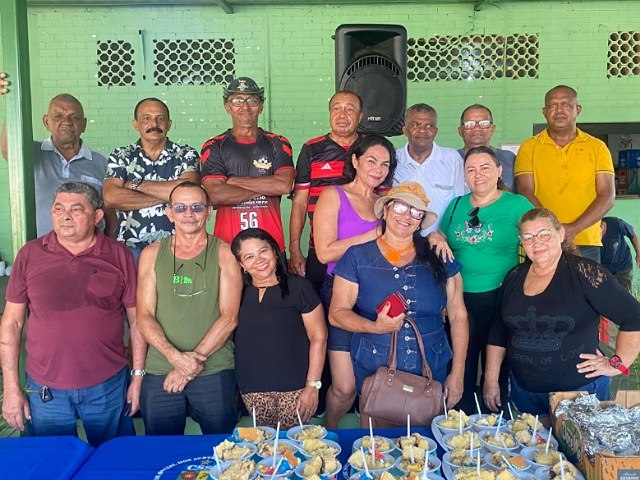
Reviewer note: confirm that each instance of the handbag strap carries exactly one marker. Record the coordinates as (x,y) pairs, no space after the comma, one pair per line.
(393,360)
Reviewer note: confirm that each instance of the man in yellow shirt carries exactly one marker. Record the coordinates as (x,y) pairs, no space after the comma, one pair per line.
(568,171)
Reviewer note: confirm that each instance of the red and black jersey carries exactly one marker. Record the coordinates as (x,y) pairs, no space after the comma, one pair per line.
(224,157)
(320,165)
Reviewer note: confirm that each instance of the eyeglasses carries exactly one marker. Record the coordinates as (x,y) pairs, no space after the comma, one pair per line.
(471,124)
(474,221)
(179,280)
(543,235)
(401,208)
(239,102)
(182,208)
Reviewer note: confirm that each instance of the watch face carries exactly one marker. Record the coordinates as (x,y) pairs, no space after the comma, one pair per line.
(615,361)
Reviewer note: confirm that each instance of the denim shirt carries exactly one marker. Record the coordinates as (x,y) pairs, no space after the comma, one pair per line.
(377,278)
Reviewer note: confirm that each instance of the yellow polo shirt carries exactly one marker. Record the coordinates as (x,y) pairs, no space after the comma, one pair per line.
(565,177)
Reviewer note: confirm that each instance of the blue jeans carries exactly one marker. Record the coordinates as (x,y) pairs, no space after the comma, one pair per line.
(370,351)
(209,399)
(101,409)
(538,403)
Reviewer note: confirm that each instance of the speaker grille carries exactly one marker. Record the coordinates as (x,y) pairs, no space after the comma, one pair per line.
(376,60)
(378,81)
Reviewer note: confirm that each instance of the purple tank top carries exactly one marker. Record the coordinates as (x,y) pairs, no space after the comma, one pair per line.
(350,223)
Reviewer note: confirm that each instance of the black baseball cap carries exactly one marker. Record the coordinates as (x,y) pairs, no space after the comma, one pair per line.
(243,85)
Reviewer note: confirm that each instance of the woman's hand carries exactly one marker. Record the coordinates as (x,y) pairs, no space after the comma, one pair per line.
(596,365)
(491,395)
(453,388)
(307,403)
(386,324)
(436,240)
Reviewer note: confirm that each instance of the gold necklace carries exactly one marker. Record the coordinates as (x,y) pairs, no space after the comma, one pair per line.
(393,254)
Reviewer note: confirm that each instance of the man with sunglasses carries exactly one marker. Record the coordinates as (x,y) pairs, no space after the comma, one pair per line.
(246,169)
(140,177)
(189,288)
(476,129)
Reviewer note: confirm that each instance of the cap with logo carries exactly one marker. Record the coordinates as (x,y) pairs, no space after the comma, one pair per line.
(243,85)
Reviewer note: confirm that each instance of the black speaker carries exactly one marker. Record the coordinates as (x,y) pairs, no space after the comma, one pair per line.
(371,60)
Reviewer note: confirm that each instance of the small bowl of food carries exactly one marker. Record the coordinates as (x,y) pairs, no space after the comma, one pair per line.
(524,421)
(417,465)
(227,451)
(236,470)
(275,467)
(265,449)
(452,421)
(381,444)
(541,457)
(306,432)
(417,440)
(471,473)
(554,473)
(457,441)
(455,459)
(254,435)
(323,467)
(377,463)
(319,446)
(498,441)
(527,439)
(486,421)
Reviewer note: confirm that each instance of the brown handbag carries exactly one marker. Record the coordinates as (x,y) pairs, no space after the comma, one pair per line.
(390,395)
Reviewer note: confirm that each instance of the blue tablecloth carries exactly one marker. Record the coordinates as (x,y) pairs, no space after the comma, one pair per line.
(42,457)
(164,458)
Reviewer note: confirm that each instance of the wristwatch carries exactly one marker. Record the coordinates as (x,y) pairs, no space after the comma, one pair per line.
(135,183)
(317,384)
(137,373)
(616,362)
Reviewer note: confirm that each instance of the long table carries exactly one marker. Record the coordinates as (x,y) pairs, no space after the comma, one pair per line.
(56,458)
(164,458)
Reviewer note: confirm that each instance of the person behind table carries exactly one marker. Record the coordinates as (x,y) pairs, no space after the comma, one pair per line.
(345,217)
(246,169)
(188,300)
(568,171)
(400,260)
(476,129)
(548,323)
(75,283)
(141,176)
(61,158)
(281,337)
(616,254)
(481,228)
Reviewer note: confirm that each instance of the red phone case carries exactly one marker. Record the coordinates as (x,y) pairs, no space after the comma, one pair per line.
(398,304)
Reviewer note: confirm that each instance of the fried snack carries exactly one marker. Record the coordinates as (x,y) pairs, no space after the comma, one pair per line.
(527,439)
(415,440)
(505,474)
(310,431)
(463,441)
(549,458)
(502,440)
(524,421)
(231,451)
(453,420)
(241,470)
(318,446)
(318,465)
(373,463)
(381,444)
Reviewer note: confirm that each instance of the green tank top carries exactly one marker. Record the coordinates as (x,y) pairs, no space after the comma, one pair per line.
(187,305)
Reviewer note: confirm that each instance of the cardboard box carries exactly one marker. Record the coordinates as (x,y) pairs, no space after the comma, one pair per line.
(606,465)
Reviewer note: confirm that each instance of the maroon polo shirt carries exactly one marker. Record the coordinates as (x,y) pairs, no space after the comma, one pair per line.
(76,309)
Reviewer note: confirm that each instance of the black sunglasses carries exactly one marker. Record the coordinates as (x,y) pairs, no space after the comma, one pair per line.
(474,221)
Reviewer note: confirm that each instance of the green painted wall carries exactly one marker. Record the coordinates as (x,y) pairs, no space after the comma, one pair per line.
(290,49)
